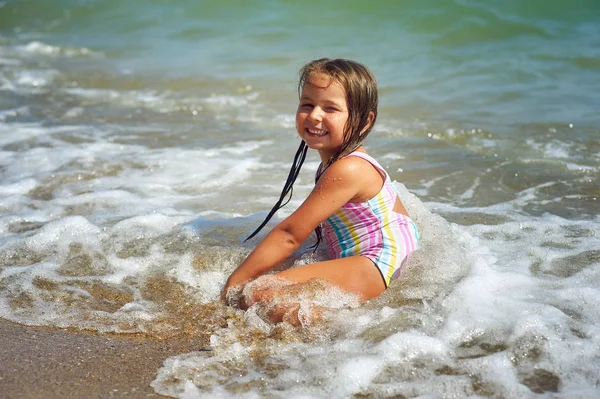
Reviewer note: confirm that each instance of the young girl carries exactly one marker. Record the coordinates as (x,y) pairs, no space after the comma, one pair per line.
(354,205)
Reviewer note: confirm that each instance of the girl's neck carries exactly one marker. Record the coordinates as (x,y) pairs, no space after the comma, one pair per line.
(325,157)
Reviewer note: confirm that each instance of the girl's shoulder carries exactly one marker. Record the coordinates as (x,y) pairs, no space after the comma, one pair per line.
(366,157)
(359,161)
(350,164)
(365,176)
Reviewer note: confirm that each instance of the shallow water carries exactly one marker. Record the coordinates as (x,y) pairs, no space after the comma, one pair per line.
(141,142)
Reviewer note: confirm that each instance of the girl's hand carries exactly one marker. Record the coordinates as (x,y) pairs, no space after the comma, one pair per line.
(224,294)
(233,281)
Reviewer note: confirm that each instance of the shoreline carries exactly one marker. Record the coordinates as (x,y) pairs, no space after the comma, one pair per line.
(49,362)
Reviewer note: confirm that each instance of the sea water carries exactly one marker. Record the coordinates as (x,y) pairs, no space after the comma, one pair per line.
(140,142)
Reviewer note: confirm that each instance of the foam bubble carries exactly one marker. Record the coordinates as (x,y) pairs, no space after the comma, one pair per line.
(19,187)
(228,100)
(40,48)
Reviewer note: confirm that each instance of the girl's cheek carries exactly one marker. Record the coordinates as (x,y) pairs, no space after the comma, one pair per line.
(300,118)
(299,124)
(338,118)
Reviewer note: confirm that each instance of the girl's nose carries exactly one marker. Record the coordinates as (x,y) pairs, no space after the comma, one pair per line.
(316,114)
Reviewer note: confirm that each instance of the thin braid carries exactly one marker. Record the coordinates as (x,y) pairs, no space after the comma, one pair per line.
(287,187)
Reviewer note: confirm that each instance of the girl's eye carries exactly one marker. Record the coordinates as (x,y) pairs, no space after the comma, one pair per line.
(306,106)
(331,109)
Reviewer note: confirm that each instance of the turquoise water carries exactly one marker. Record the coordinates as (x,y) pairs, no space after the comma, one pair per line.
(512,80)
(472,63)
(142,140)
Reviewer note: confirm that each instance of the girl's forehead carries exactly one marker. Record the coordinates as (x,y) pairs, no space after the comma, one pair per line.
(322,81)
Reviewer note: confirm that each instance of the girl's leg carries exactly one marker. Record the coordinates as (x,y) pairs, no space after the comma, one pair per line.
(354,274)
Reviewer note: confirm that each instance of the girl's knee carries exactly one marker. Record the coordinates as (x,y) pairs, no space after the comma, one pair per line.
(303,316)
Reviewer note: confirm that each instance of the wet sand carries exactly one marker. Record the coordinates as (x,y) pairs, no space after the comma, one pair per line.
(40,362)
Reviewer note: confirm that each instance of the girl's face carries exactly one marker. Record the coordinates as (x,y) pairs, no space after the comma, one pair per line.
(322,115)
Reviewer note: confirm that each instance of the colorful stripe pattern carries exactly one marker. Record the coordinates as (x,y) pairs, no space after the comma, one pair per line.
(373,229)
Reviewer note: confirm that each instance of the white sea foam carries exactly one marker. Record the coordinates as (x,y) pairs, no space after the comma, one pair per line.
(229,100)
(19,187)
(11,113)
(9,61)
(39,48)
(496,323)
(35,78)
(150,99)
(128,195)
(87,216)
(17,132)
(468,316)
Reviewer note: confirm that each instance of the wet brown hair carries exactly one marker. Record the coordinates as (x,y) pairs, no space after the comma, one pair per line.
(361,99)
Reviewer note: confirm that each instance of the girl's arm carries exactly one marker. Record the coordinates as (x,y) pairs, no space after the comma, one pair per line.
(347,179)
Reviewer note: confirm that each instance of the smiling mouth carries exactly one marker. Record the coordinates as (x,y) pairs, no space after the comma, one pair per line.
(316,132)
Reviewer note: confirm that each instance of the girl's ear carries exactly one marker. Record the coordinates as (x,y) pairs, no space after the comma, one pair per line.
(369,122)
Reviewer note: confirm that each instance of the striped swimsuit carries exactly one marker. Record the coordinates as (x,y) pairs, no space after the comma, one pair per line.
(372,229)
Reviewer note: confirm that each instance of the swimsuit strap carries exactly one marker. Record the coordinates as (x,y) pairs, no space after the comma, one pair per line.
(371,160)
